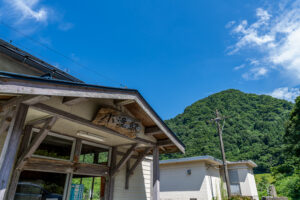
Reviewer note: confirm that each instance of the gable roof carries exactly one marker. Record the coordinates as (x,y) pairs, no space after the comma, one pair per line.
(12,83)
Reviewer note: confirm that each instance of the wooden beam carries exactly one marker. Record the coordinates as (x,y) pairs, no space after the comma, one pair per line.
(126,157)
(70,101)
(153,130)
(139,160)
(10,104)
(25,99)
(25,139)
(125,102)
(156,174)
(9,154)
(64,166)
(35,143)
(5,122)
(38,121)
(130,170)
(74,118)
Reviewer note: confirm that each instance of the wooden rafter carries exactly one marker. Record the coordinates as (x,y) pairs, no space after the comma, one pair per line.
(126,157)
(68,116)
(165,142)
(125,102)
(153,130)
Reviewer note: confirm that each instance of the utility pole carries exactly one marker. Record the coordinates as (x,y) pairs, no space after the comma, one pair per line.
(220,130)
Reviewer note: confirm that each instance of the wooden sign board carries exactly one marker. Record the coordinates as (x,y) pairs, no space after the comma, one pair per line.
(119,122)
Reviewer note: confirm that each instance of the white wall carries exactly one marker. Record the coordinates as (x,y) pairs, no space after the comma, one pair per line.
(214,181)
(176,184)
(139,182)
(247,180)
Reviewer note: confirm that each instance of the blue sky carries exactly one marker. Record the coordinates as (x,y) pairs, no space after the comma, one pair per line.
(174,52)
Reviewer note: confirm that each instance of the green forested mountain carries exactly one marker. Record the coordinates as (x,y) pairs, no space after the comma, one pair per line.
(254,128)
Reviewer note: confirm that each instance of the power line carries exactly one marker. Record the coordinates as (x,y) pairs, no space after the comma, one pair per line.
(61,54)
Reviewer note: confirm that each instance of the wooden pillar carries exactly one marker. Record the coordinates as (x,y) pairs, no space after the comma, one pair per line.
(10,154)
(156,173)
(127,174)
(17,172)
(111,179)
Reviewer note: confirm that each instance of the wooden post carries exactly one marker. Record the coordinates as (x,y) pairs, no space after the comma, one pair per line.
(102,187)
(127,174)
(15,132)
(16,173)
(156,173)
(111,181)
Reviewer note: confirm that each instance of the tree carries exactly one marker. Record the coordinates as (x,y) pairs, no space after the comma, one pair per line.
(292,134)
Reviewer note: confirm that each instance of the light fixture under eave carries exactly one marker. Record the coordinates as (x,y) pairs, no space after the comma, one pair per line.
(90,136)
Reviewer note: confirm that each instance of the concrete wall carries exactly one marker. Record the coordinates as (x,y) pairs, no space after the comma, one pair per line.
(214,181)
(247,180)
(176,184)
(139,183)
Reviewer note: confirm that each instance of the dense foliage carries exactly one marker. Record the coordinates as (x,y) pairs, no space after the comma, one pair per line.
(287,174)
(253,130)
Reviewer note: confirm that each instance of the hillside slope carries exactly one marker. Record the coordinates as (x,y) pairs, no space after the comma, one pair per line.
(254,129)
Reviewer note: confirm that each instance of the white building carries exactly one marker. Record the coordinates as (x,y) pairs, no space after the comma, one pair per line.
(199,178)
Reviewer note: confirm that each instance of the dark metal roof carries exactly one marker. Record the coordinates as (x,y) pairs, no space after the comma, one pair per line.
(81,84)
(34,62)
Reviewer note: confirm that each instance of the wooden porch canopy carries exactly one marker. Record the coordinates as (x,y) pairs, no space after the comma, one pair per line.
(69,108)
(66,94)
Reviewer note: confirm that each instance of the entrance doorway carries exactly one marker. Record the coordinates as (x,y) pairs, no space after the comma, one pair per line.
(60,179)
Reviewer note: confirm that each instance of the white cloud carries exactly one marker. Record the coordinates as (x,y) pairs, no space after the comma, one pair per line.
(255,73)
(239,67)
(28,9)
(276,37)
(289,94)
(28,16)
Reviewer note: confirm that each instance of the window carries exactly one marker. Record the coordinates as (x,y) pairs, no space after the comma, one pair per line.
(93,154)
(55,146)
(234,181)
